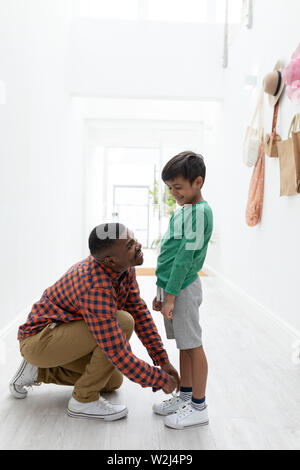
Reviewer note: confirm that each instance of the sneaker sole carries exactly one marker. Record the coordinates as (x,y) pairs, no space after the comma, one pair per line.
(205,423)
(164,414)
(114,417)
(12,389)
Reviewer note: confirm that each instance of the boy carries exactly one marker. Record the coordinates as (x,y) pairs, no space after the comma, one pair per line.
(179,293)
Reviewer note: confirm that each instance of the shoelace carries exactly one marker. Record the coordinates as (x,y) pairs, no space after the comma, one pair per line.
(106,404)
(36,384)
(172,400)
(28,386)
(184,410)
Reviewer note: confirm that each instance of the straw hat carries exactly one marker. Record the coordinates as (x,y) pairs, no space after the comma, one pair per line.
(274,84)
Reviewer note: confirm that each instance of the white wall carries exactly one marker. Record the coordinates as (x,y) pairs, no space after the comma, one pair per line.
(264,260)
(41,202)
(145,59)
(42,171)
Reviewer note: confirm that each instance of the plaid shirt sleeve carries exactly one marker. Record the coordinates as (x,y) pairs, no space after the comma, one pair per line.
(99,311)
(144,325)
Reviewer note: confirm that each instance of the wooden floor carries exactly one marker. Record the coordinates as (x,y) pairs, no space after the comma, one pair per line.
(253,391)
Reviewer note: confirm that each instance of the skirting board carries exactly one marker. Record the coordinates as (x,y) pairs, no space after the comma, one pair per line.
(18,320)
(243,294)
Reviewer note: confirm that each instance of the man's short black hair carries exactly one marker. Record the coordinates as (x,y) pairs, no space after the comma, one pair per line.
(187,164)
(104,236)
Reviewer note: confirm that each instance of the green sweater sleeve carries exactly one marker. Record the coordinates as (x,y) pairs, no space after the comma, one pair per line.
(181,267)
(192,240)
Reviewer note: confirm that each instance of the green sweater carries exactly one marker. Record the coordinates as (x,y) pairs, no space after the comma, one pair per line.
(184,247)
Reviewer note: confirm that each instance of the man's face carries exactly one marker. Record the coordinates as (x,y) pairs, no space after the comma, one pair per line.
(183,191)
(125,252)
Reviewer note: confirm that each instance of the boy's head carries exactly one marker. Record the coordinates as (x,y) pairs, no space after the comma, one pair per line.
(114,245)
(185,174)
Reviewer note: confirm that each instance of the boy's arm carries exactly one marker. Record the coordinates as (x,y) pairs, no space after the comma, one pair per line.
(181,266)
(192,241)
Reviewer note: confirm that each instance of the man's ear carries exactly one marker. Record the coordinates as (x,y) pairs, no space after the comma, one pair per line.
(110,260)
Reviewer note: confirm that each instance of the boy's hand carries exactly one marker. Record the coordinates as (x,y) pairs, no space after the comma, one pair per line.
(156,305)
(167,309)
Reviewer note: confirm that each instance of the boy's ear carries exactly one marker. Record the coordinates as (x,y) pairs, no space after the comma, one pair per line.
(199,181)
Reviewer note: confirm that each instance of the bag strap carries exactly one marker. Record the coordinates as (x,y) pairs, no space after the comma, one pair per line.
(259,110)
(275,117)
(295,124)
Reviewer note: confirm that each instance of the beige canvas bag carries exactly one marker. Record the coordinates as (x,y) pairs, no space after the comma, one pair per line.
(256,189)
(254,134)
(289,159)
(273,138)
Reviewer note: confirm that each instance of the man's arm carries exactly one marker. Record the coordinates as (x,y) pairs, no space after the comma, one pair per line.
(99,311)
(145,327)
(147,332)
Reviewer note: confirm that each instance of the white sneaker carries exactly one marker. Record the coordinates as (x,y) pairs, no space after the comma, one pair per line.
(168,407)
(25,376)
(100,409)
(187,417)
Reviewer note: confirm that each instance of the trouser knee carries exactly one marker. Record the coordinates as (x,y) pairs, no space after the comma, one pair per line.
(114,382)
(126,322)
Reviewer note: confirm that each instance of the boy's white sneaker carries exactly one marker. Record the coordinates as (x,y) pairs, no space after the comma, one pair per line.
(187,417)
(26,376)
(100,409)
(168,407)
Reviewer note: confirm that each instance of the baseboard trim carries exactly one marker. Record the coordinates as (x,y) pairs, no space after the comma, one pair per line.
(282,323)
(18,320)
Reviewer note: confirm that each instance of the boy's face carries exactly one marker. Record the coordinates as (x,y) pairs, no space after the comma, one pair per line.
(184,192)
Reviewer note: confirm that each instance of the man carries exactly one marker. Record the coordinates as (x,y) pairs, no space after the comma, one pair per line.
(78,332)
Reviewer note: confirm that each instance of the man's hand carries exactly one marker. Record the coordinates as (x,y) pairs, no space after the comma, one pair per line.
(156,305)
(173,372)
(170,385)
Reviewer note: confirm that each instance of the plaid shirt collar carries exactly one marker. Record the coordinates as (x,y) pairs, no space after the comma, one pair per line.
(114,276)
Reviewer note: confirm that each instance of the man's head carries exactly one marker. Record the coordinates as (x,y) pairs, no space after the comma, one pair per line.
(185,174)
(114,245)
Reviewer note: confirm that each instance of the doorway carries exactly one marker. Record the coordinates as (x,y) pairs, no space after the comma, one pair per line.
(131,205)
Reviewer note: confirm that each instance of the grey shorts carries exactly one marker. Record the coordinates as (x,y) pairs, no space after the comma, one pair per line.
(184,326)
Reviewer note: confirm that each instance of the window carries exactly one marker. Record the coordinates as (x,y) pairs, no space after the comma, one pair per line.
(105,9)
(188,11)
(193,11)
(235,8)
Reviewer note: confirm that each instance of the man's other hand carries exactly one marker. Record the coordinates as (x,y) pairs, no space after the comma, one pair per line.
(170,385)
(156,305)
(173,372)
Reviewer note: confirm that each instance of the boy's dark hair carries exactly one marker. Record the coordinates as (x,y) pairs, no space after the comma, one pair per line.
(104,236)
(187,164)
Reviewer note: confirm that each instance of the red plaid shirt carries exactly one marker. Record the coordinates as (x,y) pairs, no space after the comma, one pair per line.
(92,292)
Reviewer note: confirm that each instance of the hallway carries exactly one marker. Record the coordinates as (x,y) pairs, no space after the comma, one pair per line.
(96,96)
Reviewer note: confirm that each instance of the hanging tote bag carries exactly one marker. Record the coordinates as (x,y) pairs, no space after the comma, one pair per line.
(253,135)
(273,138)
(289,160)
(256,189)
(296,151)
